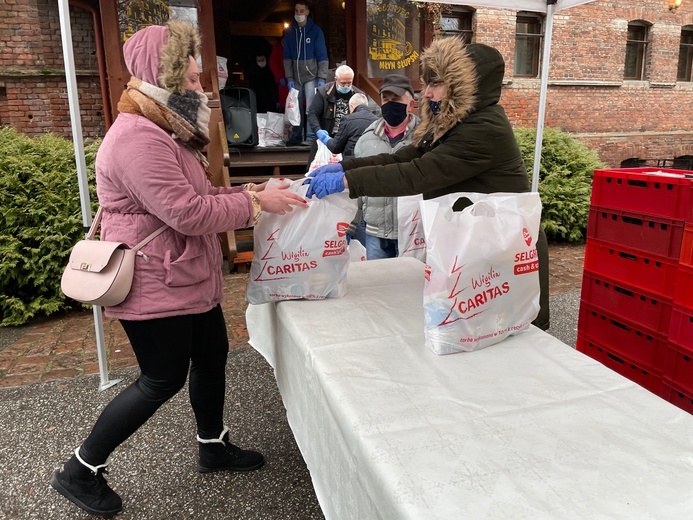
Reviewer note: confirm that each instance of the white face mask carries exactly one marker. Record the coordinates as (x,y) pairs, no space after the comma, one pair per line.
(300,18)
(261,63)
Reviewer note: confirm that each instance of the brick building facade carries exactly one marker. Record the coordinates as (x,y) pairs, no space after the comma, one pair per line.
(588,96)
(33,92)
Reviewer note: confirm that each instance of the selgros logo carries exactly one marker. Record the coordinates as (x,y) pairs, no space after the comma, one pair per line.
(342,228)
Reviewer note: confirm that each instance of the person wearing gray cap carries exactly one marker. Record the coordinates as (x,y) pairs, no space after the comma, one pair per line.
(393,131)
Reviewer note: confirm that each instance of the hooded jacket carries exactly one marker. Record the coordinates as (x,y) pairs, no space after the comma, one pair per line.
(145,177)
(305,53)
(468,146)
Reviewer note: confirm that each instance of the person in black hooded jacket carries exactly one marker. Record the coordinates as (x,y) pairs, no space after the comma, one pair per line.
(465,143)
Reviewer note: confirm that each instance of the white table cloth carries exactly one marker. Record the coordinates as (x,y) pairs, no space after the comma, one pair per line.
(528,428)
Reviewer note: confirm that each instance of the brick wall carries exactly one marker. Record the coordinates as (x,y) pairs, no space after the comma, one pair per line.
(587,95)
(33,93)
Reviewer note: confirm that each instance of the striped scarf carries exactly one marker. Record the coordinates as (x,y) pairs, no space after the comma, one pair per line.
(185,116)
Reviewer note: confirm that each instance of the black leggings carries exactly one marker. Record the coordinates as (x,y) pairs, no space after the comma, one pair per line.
(165,349)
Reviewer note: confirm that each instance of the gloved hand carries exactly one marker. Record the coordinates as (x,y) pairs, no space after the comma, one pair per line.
(282,82)
(323,136)
(328,168)
(326,184)
(320,83)
(290,84)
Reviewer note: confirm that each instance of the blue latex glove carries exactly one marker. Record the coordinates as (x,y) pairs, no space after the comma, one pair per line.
(323,136)
(282,82)
(290,84)
(320,83)
(326,184)
(328,168)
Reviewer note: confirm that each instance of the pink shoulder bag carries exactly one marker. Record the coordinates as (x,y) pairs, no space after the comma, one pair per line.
(100,272)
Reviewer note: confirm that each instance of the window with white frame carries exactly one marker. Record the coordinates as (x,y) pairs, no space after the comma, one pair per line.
(529,31)
(684,72)
(636,49)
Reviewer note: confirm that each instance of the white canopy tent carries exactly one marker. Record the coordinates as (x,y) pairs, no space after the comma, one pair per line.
(78,141)
(548,7)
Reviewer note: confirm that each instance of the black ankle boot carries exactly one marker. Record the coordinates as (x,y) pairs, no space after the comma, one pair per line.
(86,486)
(220,455)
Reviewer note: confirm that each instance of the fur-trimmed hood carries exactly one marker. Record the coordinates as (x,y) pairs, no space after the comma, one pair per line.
(473,77)
(159,54)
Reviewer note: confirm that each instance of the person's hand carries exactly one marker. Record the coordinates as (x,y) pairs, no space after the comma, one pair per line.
(323,136)
(278,200)
(328,168)
(259,187)
(326,184)
(290,84)
(320,83)
(282,82)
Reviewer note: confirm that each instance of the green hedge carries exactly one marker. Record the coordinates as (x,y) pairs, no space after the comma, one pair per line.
(40,221)
(565,181)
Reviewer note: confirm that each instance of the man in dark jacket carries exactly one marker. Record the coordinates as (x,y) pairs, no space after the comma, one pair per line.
(465,143)
(351,127)
(330,105)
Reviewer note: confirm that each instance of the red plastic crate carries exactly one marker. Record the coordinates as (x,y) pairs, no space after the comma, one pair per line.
(622,336)
(677,395)
(683,293)
(686,255)
(681,327)
(649,273)
(678,366)
(625,301)
(654,191)
(646,377)
(655,235)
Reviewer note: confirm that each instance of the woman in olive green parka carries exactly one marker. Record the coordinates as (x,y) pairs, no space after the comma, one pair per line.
(465,142)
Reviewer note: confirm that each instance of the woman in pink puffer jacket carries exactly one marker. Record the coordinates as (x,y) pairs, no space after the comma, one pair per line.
(150,171)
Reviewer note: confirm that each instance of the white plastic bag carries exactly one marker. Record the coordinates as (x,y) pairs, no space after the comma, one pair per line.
(292,110)
(482,272)
(323,156)
(222,71)
(270,129)
(302,254)
(410,236)
(357,251)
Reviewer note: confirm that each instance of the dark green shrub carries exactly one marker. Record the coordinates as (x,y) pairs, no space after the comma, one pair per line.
(565,181)
(40,221)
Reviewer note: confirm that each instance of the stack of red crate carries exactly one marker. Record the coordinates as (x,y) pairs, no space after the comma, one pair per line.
(636,307)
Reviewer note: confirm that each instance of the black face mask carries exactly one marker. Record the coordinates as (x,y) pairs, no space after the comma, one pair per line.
(394,112)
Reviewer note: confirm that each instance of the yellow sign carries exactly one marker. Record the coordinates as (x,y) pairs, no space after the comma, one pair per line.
(388,47)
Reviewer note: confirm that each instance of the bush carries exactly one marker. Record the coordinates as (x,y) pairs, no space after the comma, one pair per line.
(565,181)
(40,221)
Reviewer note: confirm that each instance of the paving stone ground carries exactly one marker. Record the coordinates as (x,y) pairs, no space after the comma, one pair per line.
(64,346)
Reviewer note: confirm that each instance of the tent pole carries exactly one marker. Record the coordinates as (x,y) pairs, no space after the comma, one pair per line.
(548,36)
(77,140)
